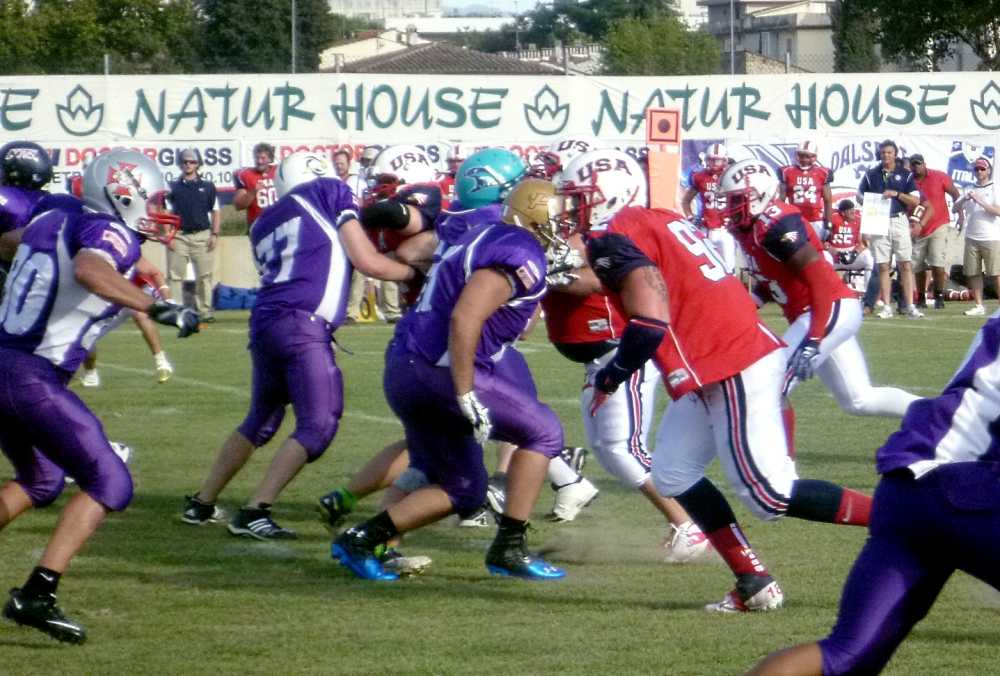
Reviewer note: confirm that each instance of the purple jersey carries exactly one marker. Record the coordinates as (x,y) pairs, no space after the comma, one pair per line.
(45,311)
(457,220)
(17,205)
(296,246)
(508,249)
(959,425)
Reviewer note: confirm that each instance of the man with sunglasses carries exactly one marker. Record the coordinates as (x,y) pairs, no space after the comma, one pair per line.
(930,242)
(982,233)
(194,199)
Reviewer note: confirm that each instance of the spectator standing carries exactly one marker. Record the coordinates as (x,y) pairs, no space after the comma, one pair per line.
(930,248)
(894,183)
(982,233)
(194,200)
(255,185)
(354,180)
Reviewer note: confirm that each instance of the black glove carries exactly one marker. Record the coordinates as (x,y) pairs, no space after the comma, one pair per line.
(170,313)
(804,360)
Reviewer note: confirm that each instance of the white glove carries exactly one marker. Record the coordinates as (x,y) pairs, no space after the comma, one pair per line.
(562,257)
(477,415)
(564,278)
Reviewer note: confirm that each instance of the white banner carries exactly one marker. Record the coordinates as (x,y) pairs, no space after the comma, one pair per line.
(350,109)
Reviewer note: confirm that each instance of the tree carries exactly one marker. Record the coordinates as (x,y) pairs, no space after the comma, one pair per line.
(924,31)
(659,45)
(854,38)
(19,48)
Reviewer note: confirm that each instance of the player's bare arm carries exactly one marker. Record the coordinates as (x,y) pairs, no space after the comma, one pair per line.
(94,272)
(644,294)
(366,258)
(243,198)
(827,208)
(686,200)
(486,291)
(418,250)
(9,241)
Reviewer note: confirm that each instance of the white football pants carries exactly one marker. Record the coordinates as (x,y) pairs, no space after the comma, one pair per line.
(725,246)
(618,431)
(738,420)
(842,364)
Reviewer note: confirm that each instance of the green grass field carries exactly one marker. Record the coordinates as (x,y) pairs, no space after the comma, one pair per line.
(161,597)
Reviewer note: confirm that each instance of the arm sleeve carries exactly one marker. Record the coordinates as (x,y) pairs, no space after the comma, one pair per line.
(238,182)
(785,237)
(613,256)
(513,253)
(112,240)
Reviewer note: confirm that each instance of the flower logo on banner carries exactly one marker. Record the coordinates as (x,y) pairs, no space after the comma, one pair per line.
(80,116)
(546,116)
(986,111)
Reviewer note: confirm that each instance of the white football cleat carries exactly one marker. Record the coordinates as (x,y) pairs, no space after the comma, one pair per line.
(768,597)
(685,543)
(571,498)
(403,565)
(975,311)
(90,378)
(164,369)
(478,519)
(123,451)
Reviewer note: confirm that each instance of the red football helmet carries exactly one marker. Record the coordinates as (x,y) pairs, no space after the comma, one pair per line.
(716,158)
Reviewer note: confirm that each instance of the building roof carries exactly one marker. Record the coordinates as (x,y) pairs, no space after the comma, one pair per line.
(442,59)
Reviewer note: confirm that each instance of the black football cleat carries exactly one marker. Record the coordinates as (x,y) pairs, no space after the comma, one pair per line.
(42,613)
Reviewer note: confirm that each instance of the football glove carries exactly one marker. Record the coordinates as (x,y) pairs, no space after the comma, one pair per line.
(805,359)
(564,278)
(562,257)
(171,313)
(477,415)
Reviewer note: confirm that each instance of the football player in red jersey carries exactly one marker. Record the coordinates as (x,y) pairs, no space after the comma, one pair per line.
(823,313)
(849,250)
(446,180)
(724,372)
(705,185)
(255,185)
(806,185)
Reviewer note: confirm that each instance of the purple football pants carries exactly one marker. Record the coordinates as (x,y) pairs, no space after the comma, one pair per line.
(921,532)
(440,439)
(47,432)
(293,363)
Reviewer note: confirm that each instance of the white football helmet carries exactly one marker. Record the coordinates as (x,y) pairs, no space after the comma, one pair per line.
(806,153)
(559,154)
(598,184)
(129,185)
(749,186)
(396,166)
(299,168)
(716,158)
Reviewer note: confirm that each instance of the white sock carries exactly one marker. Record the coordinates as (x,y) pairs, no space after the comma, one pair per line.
(561,474)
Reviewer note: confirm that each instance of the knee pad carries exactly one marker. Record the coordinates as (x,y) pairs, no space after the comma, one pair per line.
(316,435)
(110,482)
(44,491)
(467,493)
(259,432)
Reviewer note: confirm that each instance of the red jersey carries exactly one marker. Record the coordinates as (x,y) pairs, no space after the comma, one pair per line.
(447,185)
(581,319)
(248,179)
(701,347)
(844,235)
(932,188)
(713,205)
(804,189)
(775,236)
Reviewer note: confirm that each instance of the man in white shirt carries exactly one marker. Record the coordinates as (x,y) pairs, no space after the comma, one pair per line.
(982,233)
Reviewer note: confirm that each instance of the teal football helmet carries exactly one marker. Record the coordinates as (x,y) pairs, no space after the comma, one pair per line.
(486,177)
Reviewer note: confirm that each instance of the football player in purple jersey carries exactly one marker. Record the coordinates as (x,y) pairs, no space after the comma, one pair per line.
(305,245)
(68,282)
(443,381)
(936,510)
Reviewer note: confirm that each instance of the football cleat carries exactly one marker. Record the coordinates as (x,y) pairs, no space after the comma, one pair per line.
(90,378)
(975,311)
(257,523)
(752,594)
(478,519)
(685,543)
(164,369)
(198,513)
(571,498)
(332,509)
(512,560)
(42,613)
(575,457)
(496,494)
(911,312)
(356,555)
(394,561)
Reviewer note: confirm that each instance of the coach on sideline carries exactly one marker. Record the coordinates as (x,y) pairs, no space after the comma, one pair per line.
(893,182)
(194,200)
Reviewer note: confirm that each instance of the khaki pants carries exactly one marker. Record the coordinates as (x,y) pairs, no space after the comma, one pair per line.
(193,246)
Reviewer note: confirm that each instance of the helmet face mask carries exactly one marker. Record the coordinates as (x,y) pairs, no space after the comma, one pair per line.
(716,158)
(806,160)
(129,185)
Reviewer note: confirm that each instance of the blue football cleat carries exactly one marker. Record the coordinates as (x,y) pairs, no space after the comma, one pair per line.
(513,561)
(353,555)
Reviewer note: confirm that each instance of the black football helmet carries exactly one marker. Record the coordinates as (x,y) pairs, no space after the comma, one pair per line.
(25,164)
